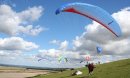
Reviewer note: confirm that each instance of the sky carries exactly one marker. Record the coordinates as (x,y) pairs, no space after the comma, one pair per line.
(30,30)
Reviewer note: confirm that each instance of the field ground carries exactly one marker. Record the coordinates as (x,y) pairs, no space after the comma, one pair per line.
(14,72)
(118,69)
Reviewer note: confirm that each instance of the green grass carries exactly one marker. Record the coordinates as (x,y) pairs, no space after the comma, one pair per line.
(118,69)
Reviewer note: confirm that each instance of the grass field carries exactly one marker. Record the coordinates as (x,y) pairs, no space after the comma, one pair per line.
(118,69)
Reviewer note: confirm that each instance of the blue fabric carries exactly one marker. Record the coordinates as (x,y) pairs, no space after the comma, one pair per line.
(95,13)
(99,49)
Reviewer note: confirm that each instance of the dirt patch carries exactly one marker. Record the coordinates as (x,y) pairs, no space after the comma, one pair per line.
(20,73)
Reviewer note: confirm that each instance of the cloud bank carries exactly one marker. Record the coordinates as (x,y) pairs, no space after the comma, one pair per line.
(15,23)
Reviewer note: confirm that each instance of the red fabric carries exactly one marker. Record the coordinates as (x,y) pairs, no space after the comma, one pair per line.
(75,11)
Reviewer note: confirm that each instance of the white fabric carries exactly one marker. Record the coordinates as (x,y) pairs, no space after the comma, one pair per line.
(78,73)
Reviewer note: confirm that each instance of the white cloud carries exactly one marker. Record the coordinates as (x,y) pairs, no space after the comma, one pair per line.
(56,53)
(16,43)
(98,35)
(117,47)
(9,54)
(31,14)
(50,53)
(57,42)
(15,47)
(30,30)
(14,23)
(123,19)
(3,53)
(77,42)
(64,45)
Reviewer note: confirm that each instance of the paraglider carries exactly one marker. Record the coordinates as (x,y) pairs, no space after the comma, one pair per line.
(39,59)
(93,12)
(66,60)
(81,61)
(99,49)
(42,58)
(61,58)
(88,58)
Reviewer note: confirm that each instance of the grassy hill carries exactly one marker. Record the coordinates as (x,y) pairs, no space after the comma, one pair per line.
(117,69)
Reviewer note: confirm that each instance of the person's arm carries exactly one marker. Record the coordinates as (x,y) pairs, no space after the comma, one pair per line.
(94,66)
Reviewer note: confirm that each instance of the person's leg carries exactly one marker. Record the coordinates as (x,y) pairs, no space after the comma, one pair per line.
(89,72)
(92,71)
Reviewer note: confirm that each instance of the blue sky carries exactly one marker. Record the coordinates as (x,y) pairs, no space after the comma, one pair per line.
(62,28)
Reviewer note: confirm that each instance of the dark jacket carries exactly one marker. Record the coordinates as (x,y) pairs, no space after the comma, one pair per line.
(91,67)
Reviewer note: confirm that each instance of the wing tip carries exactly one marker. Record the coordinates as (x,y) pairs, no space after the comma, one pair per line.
(57,11)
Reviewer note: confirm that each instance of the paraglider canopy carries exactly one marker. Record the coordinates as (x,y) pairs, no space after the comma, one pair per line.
(99,49)
(93,12)
(61,58)
(43,58)
(88,57)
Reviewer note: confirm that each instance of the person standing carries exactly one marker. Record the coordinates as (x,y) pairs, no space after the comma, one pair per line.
(90,67)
